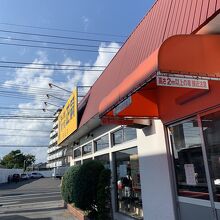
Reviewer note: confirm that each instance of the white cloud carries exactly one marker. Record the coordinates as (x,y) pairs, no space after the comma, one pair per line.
(85,22)
(31,78)
(102,59)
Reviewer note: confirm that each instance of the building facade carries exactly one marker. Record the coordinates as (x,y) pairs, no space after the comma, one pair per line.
(57,156)
(152,117)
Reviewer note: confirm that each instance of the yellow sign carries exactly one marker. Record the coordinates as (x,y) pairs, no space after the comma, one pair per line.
(67,120)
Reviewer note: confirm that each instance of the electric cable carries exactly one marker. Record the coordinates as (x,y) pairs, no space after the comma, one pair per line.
(29,130)
(58,36)
(51,64)
(56,43)
(61,29)
(56,48)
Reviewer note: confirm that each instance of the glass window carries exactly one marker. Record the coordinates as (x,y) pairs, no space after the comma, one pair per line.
(77,152)
(124,134)
(211,132)
(128,183)
(102,143)
(87,149)
(188,160)
(129,133)
(104,160)
(117,137)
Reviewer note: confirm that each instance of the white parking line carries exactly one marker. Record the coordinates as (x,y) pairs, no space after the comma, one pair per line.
(58,203)
(31,194)
(29,198)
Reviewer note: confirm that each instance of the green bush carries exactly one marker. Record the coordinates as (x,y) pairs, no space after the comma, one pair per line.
(104,196)
(86,187)
(68,187)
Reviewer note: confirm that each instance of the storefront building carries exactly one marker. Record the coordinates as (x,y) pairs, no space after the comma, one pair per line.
(156,123)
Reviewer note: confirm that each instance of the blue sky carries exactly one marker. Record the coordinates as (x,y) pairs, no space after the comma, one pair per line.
(108,18)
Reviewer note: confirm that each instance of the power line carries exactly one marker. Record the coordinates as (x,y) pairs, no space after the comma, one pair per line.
(52,64)
(59,36)
(10,85)
(21,135)
(56,43)
(27,116)
(20,129)
(10,145)
(49,68)
(56,48)
(64,30)
(30,89)
(29,109)
(26,119)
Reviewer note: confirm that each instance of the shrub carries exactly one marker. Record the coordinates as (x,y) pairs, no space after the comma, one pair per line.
(68,187)
(86,187)
(104,196)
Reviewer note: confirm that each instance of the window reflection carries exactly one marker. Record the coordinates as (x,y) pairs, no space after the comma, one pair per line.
(77,152)
(102,143)
(211,132)
(188,160)
(117,137)
(124,134)
(128,183)
(87,149)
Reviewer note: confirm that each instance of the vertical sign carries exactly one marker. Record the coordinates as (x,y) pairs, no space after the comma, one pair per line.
(67,120)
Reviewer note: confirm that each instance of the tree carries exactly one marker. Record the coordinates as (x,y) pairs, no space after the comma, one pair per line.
(16,159)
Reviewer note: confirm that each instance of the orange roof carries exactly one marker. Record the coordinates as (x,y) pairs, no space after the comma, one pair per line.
(166,18)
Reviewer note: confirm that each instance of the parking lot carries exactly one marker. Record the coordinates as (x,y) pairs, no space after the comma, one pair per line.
(32,199)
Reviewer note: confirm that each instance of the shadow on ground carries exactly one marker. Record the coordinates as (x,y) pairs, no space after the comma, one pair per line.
(8,186)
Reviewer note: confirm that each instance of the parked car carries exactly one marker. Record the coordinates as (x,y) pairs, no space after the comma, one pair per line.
(25,176)
(16,177)
(36,175)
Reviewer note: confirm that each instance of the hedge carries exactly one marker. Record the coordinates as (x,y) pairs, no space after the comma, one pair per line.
(68,187)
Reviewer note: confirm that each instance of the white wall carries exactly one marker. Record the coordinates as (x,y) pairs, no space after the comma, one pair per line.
(45,173)
(4,173)
(155,179)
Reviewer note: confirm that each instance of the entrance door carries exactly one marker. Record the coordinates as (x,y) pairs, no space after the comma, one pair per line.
(211,134)
(195,200)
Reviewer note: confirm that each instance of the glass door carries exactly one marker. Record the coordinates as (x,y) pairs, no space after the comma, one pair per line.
(211,134)
(191,169)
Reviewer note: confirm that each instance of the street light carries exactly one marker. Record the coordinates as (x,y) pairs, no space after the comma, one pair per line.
(51,85)
(48,103)
(47,110)
(49,95)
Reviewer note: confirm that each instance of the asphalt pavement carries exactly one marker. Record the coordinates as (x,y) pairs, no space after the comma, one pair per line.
(32,199)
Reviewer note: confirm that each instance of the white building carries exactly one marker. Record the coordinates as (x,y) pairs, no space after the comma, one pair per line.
(57,155)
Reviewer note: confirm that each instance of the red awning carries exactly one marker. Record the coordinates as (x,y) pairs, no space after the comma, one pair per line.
(143,73)
(191,55)
(196,55)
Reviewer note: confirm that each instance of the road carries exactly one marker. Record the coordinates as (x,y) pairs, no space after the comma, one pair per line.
(32,199)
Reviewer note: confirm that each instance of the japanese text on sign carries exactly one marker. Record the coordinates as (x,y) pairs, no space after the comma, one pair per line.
(182,82)
(67,120)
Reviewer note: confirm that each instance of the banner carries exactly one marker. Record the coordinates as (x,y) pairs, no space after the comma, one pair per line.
(67,120)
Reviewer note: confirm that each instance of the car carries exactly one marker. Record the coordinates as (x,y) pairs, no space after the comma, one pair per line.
(16,177)
(25,176)
(36,175)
